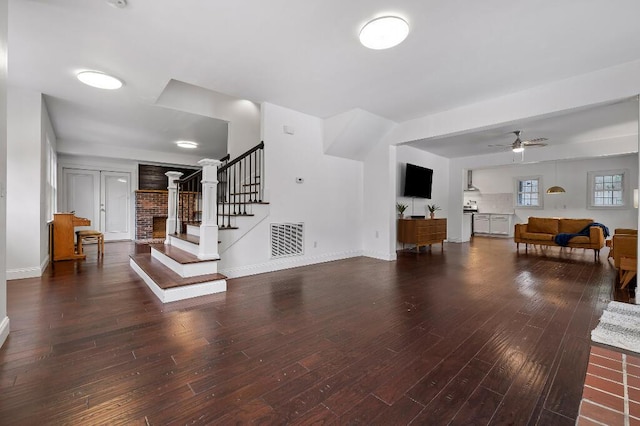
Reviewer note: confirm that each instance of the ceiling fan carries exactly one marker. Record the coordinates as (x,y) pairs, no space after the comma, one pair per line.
(519,145)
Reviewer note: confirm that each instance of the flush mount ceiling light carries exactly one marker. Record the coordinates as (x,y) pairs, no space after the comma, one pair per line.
(384,32)
(187,144)
(99,80)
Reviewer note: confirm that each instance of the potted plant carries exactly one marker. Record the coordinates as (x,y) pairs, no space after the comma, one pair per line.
(401,208)
(432,210)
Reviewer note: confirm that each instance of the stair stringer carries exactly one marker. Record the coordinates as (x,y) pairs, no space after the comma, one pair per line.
(228,237)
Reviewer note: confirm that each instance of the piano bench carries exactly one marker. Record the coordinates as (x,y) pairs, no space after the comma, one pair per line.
(90,236)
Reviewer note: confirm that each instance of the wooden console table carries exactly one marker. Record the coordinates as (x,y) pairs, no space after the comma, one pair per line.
(422,232)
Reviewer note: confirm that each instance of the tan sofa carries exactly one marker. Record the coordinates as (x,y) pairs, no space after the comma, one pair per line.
(542,231)
(624,245)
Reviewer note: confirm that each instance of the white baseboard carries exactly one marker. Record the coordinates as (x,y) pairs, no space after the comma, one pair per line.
(287,263)
(4,330)
(33,272)
(379,255)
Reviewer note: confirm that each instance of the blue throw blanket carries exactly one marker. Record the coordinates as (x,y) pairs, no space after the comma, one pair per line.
(563,238)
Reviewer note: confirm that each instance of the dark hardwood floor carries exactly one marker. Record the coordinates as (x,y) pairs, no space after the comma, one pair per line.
(476,334)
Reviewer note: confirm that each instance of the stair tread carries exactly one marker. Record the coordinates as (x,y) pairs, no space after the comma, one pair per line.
(164,277)
(188,237)
(247,202)
(235,214)
(179,255)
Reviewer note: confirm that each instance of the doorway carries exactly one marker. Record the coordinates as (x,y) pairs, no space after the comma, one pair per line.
(103,197)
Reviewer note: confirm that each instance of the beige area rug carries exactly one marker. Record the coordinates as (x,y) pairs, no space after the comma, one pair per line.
(619,326)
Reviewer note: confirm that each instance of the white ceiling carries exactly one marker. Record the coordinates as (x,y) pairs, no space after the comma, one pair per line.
(305,55)
(599,123)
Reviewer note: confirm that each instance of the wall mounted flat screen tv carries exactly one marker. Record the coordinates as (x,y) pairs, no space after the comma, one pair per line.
(418,181)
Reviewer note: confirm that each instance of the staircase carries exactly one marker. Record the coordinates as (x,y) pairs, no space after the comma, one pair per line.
(221,198)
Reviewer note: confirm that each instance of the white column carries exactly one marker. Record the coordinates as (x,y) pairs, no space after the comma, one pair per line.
(172,219)
(209,225)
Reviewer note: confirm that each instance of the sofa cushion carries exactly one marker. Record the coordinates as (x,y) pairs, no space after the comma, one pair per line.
(543,225)
(536,236)
(573,226)
(580,240)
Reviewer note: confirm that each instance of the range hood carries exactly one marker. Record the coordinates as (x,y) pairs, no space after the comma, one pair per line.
(470,186)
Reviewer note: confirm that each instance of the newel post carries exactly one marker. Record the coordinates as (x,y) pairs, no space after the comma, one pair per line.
(209,226)
(172,220)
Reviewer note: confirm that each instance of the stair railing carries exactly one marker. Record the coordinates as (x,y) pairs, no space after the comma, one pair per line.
(189,201)
(240,182)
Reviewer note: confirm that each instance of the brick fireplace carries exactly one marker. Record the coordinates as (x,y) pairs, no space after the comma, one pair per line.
(151,213)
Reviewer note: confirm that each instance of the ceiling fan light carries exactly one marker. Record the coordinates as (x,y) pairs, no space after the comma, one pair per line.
(518,148)
(556,190)
(384,32)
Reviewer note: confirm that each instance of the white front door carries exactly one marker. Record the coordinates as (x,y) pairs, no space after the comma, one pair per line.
(102,197)
(114,205)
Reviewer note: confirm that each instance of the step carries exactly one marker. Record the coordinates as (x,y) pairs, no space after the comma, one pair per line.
(245,202)
(235,214)
(187,242)
(244,193)
(182,262)
(169,286)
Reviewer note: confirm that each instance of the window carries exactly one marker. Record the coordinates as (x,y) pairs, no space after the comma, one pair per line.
(607,189)
(528,192)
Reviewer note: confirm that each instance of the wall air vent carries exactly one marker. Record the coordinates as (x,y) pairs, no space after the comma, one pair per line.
(287,239)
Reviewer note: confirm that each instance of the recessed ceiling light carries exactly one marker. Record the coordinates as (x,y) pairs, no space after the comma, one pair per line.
(187,144)
(384,32)
(99,80)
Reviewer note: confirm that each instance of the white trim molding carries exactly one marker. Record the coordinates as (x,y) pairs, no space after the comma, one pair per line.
(4,330)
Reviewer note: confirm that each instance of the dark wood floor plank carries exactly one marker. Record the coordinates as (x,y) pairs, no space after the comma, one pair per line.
(563,398)
(426,339)
(446,405)
(478,409)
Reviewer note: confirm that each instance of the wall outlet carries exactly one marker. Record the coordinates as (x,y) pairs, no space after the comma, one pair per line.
(299,180)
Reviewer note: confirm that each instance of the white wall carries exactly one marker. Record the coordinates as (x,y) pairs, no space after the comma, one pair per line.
(572,176)
(440,188)
(24,174)
(329,202)
(4,319)
(379,219)
(242,115)
(47,133)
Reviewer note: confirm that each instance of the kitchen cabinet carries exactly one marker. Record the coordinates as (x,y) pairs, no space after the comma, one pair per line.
(481,223)
(500,224)
(492,224)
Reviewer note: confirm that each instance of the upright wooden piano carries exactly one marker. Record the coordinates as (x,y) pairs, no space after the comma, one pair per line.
(63,236)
